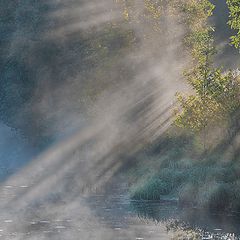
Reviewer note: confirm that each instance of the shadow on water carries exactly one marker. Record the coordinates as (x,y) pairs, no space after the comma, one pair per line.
(176,218)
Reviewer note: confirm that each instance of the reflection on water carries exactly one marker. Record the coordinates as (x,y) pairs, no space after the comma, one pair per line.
(107,214)
(121,213)
(166,217)
(189,222)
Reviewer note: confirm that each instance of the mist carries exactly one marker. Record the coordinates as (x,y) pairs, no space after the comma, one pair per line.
(82,117)
(82,91)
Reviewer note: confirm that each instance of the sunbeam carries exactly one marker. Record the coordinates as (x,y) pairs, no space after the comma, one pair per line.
(103,88)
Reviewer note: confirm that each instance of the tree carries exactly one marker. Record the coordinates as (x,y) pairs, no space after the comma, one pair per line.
(199,109)
(215,92)
(196,112)
(207,81)
(234,20)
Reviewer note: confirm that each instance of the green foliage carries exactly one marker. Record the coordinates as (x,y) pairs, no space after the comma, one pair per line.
(215,93)
(225,89)
(234,22)
(201,108)
(195,12)
(197,112)
(151,11)
(217,98)
(200,43)
(206,184)
(213,98)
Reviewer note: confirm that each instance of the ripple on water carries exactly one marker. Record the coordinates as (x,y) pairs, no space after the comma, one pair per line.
(8,221)
(60,227)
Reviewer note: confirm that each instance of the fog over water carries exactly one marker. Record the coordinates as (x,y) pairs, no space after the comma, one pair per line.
(81,91)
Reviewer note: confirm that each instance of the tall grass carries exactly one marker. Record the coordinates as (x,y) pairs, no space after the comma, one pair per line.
(168,170)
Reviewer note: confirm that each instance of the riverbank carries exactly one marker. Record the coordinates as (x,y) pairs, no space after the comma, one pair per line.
(174,168)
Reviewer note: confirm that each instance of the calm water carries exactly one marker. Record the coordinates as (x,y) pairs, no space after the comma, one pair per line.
(107,214)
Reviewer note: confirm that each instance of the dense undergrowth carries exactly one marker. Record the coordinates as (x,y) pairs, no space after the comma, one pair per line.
(175,169)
